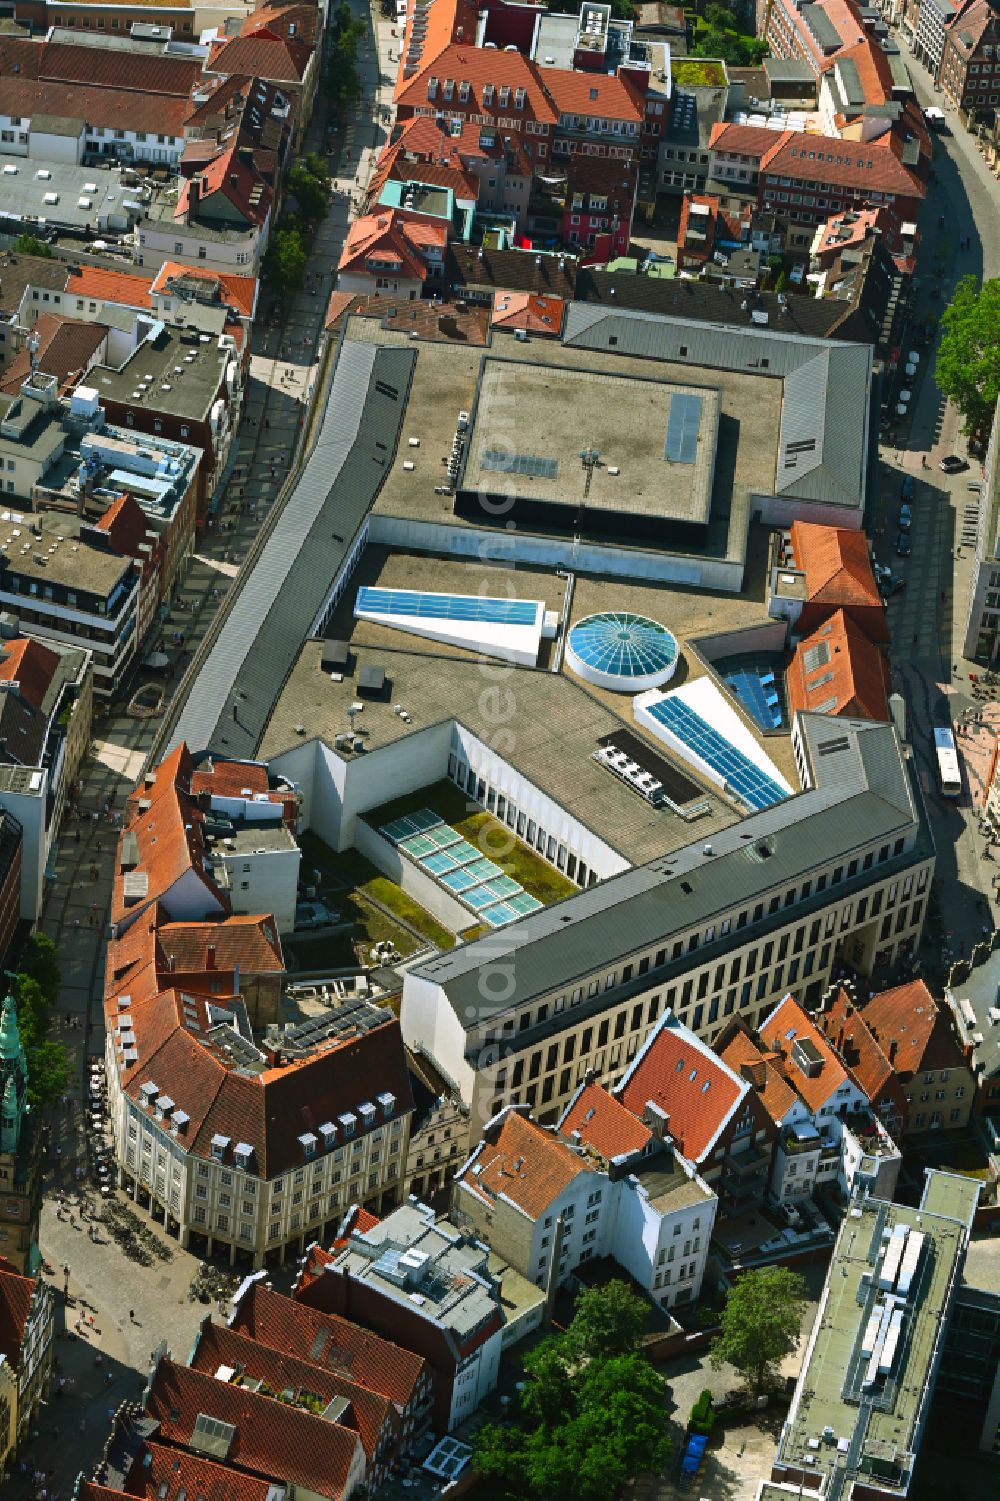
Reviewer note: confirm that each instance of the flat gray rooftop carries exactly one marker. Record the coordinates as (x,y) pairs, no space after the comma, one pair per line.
(882,1434)
(173,372)
(529,409)
(444,384)
(864,794)
(559,723)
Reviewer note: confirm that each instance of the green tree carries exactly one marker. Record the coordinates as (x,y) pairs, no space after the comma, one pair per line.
(760,1323)
(284,264)
(310,195)
(316,167)
(40,961)
(33,1013)
(968,358)
(611,1427)
(719,15)
(48,1073)
(590,1414)
(606,1321)
(30,245)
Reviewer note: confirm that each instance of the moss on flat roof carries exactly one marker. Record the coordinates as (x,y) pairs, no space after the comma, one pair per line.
(698,72)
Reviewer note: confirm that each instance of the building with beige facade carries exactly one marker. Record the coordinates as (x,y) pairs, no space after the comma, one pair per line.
(773,905)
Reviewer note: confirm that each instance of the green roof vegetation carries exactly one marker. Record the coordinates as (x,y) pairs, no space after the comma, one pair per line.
(698,72)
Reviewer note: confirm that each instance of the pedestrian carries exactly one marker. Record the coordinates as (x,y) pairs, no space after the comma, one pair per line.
(131,1315)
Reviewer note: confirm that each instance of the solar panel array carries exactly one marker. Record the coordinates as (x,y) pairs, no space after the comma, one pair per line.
(623,645)
(460,867)
(681,446)
(528,464)
(418,605)
(742,777)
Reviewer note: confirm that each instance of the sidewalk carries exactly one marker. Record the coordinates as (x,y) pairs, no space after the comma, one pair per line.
(283,364)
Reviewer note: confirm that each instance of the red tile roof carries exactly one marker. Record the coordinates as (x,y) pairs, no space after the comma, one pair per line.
(269,1110)
(237,182)
(168,836)
(682,1076)
(334,1343)
(239,292)
(525,1163)
(130,72)
(297,23)
(444,21)
(357,1221)
(873,166)
(271,1438)
(160,1465)
(16,1293)
(261,54)
(912,1030)
(873,69)
(373,1414)
(737,1048)
(124,524)
(604,96)
(478,68)
(847,675)
(966,29)
(29,664)
(66,350)
(539,315)
(251,942)
(845,1026)
(110,108)
(604,1123)
(836,565)
(384,237)
(788,1023)
(101,285)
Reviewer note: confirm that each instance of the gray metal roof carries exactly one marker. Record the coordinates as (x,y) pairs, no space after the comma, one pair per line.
(826,386)
(281,596)
(862,793)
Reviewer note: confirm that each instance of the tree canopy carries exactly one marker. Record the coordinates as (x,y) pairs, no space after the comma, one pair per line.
(591,1412)
(760,1323)
(309,191)
(607,1321)
(284,264)
(37,992)
(31,245)
(968,358)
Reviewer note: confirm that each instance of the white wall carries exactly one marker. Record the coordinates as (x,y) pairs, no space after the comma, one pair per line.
(537,805)
(555,552)
(424,889)
(475,1380)
(430,1026)
(45,147)
(263,882)
(407,287)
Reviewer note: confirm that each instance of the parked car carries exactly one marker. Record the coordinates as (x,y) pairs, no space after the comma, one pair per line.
(904,545)
(896,586)
(908,488)
(905,518)
(952,464)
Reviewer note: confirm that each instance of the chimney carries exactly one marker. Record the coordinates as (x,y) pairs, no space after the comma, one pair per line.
(210,956)
(893,1050)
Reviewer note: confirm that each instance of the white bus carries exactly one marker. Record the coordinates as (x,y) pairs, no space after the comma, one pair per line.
(948,770)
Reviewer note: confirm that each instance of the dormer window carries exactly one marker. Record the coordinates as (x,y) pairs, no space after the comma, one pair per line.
(348,1122)
(504,96)
(367,1113)
(219,1145)
(432,87)
(519,98)
(164,1105)
(386,1103)
(488,92)
(148,1092)
(463,92)
(308,1143)
(327,1135)
(179,1121)
(449,87)
(243,1155)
